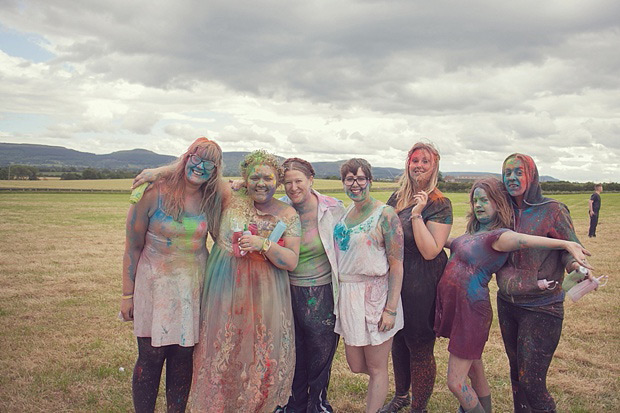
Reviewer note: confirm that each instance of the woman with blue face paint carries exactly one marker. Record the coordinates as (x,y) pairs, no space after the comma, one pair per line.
(463,312)
(163,271)
(369,250)
(530,318)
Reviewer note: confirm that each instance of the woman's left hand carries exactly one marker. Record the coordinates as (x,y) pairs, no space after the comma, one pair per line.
(386,323)
(251,243)
(420,199)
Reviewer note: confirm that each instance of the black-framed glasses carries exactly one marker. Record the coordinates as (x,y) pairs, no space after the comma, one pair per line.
(197,160)
(350,180)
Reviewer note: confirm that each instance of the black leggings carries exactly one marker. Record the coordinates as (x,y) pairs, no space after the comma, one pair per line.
(530,339)
(315,346)
(414,366)
(147,374)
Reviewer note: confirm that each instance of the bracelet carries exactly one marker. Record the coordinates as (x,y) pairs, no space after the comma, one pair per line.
(266,246)
(390,312)
(416,216)
(127,297)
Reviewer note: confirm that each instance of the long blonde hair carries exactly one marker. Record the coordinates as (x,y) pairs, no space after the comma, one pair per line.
(173,185)
(408,187)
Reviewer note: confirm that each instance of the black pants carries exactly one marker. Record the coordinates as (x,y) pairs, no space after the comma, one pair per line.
(414,368)
(147,374)
(315,346)
(530,339)
(593,224)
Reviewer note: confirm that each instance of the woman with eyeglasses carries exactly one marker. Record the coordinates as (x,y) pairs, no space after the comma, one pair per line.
(369,251)
(426,218)
(163,271)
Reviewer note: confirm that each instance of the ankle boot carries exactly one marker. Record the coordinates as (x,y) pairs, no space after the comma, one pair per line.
(486,403)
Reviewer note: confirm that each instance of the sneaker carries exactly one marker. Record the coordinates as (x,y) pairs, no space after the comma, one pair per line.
(396,404)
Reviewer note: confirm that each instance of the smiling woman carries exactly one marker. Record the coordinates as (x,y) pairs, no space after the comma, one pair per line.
(246,355)
(163,270)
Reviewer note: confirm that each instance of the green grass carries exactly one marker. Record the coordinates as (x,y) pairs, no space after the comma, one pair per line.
(62,346)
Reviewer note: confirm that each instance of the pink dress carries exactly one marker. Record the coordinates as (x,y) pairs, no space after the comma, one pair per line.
(169,279)
(363,275)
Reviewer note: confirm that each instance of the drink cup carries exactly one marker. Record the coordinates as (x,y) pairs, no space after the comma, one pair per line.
(235,243)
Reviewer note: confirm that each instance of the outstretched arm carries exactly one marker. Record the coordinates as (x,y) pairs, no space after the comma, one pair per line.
(512,241)
(153,174)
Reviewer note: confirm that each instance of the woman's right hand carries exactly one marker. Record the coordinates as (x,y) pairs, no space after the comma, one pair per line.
(579,253)
(147,175)
(127,309)
(420,200)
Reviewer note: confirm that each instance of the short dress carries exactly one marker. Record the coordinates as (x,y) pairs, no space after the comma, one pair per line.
(463,313)
(169,279)
(363,275)
(246,356)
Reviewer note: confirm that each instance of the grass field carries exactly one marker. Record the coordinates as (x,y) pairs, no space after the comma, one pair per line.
(62,346)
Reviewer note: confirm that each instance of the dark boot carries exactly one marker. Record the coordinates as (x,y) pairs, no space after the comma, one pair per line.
(486,403)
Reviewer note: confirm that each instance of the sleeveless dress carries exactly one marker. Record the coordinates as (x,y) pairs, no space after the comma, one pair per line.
(246,356)
(363,275)
(464,311)
(169,279)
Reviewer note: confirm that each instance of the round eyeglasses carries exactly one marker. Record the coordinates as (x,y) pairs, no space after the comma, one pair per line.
(197,160)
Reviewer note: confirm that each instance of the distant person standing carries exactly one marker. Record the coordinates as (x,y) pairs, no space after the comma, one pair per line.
(595,206)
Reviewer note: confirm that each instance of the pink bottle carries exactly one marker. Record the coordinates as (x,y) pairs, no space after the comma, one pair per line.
(585,287)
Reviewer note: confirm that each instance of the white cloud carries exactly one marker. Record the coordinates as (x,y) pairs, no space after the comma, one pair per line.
(324,81)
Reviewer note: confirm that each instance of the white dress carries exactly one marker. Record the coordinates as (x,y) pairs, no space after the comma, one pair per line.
(363,274)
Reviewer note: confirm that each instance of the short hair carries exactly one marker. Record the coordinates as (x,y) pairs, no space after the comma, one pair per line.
(261,157)
(353,164)
(298,164)
(598,186)
(498,195)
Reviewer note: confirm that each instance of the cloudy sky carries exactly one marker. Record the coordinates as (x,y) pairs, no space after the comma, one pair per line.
(324,80)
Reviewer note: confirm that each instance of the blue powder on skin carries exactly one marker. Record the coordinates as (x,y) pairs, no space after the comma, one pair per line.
(342,235)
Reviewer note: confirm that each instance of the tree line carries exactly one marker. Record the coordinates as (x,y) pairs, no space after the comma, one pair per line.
(33,173)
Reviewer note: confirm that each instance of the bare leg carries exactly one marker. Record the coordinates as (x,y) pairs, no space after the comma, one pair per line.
(478,379)
(458,369)
(377,363)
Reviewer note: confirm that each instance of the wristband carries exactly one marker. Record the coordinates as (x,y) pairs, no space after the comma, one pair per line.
(390,312)
(127,297)
(266,246)
(416,216)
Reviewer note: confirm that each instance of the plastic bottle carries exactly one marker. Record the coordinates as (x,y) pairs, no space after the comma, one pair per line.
(277,232)
(237,233)
(574,277)
(246,231)
(585,287)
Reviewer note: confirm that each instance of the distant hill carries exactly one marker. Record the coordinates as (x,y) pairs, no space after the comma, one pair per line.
(472,176)
(61,157)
